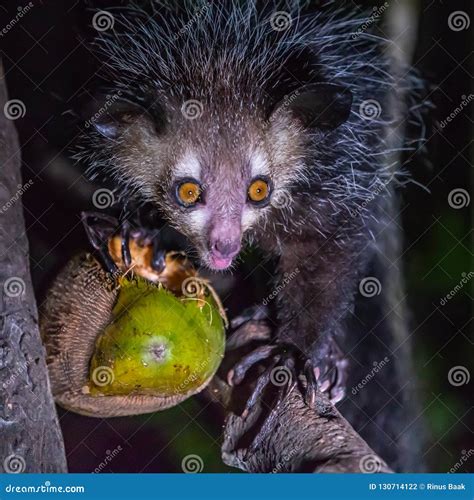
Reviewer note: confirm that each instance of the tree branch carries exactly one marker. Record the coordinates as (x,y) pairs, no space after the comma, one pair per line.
(31,439)
(287,435)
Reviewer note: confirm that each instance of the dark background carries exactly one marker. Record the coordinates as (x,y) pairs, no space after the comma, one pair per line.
(49,67)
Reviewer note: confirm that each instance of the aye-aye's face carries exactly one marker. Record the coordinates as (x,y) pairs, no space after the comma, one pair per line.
(214,199)
(225,181)
(217,175)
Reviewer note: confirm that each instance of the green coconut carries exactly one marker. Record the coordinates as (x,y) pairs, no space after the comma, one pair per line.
(157,343)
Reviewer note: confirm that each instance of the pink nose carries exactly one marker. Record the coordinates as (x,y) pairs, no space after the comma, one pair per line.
(225,249)
(224,242)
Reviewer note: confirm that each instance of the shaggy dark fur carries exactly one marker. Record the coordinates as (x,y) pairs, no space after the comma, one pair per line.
(320,108)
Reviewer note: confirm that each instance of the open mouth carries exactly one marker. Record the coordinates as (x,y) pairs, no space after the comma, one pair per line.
(220,263)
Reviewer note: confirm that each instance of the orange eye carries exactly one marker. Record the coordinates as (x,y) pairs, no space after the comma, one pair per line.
(259,190)
(188,193)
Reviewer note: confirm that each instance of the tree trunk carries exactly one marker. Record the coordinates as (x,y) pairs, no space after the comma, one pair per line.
(30,437)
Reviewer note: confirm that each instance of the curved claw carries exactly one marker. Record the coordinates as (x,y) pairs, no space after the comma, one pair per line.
(125,244)
(332,372)
(237,374)
(262,382)
(99,228)
(158,261)
(311,384)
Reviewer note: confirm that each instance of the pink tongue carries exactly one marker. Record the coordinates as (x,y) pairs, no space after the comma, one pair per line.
(220,263)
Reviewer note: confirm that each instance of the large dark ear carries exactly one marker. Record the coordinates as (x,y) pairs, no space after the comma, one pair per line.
(110,115)
(318,105)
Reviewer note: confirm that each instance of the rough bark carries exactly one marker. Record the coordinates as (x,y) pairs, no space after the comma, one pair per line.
(30,437)
(287,435)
